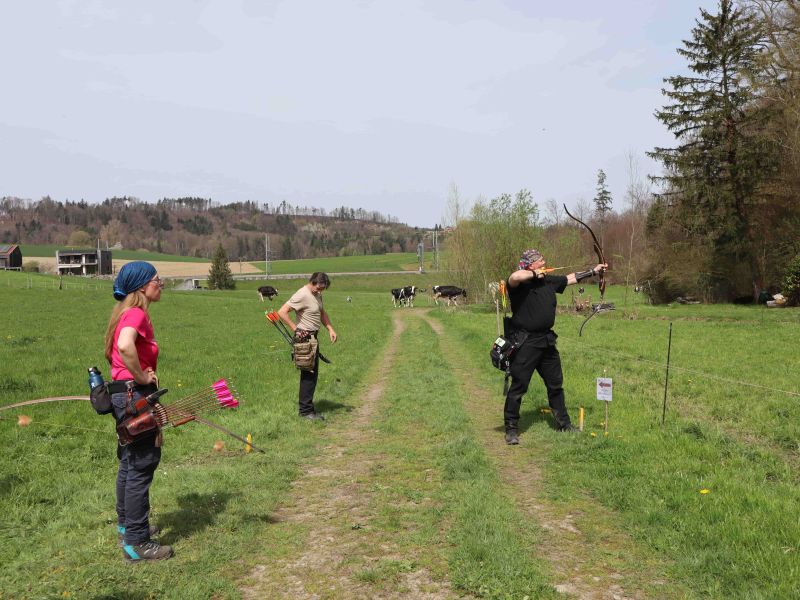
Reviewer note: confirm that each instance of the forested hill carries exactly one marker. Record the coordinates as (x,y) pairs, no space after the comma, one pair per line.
(195,226)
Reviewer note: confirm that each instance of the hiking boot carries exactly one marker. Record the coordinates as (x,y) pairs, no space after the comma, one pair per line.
(153,531)
(569,428)
(148,550)
(314,416)
(512,432)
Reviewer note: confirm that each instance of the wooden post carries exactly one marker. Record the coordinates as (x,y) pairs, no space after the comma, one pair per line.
(605,421)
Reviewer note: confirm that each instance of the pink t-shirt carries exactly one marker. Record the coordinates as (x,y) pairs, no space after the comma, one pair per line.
(146,345)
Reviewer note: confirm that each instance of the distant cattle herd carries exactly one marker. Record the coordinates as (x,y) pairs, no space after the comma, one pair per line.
(403,296)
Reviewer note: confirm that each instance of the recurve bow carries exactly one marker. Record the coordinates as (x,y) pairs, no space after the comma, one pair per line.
(601,282)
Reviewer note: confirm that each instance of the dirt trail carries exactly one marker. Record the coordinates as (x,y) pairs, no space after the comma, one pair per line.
(588,553)
(330,507)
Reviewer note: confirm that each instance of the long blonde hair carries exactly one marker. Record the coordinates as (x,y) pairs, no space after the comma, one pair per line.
(135,299)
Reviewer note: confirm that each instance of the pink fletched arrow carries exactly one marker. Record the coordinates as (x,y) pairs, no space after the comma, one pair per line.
(216,396)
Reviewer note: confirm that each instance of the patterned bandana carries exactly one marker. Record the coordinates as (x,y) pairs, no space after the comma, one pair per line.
(529,257)
(131,277)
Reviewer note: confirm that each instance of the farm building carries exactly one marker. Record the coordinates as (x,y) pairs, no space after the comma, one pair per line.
(10,256)
(83,262)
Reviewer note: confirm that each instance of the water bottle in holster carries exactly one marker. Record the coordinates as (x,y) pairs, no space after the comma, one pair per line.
(99,395)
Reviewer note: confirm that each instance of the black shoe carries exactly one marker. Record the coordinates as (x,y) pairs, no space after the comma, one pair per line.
(512,437)
(314,416)
(569,428)
(149,550)
(153,531)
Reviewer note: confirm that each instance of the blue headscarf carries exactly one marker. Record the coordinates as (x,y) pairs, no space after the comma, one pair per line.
(131,277)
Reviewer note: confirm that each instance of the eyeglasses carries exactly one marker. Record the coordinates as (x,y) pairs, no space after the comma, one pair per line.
(158,281)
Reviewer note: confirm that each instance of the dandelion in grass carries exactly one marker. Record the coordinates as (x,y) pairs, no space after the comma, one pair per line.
(544,410)
(705,491)
(593,434)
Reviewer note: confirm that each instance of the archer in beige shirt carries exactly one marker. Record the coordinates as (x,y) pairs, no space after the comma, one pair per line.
(307,305)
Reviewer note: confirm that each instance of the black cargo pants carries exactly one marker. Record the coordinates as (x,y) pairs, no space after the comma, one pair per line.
(137,465)
(537,353)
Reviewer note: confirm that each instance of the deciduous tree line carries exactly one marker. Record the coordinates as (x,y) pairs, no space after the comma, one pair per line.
(196,226)
(722,224)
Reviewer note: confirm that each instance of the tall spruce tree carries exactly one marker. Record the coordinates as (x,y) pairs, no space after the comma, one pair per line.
(219,276)
(711,176)
(603,199)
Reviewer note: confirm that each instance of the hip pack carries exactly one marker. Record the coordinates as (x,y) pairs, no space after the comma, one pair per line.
(503,352)
(305,354)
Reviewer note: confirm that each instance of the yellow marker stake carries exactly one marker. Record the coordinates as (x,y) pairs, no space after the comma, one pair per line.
(249,448)
(580,418)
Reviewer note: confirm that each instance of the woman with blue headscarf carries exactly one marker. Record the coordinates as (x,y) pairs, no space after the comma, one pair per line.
(132,351)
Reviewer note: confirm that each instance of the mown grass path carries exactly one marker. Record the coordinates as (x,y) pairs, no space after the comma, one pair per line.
(401,502)
(588,553)
(330,508)
(370,516)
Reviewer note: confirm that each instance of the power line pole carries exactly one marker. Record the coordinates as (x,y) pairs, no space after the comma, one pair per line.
(266,255)
(436,249)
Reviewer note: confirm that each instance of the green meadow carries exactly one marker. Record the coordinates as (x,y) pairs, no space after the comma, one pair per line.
(396,261)
(701,506)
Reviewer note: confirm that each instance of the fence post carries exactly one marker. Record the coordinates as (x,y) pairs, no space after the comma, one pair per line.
(666,378)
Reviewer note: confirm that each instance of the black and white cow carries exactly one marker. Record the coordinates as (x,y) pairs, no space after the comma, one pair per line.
(450,292)
(268,291)
(404,296)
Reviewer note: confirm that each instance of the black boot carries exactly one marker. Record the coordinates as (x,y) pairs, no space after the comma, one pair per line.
(512,434)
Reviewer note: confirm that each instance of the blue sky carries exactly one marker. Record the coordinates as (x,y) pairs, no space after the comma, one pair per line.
(373,104)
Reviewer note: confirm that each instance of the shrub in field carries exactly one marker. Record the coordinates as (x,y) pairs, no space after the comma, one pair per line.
(31,266)
(791,282)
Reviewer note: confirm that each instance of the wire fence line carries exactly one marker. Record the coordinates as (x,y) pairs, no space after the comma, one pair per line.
(663,365)
(40,283)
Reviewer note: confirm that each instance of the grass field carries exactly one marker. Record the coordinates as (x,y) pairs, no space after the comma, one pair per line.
(427,497)
(398,261)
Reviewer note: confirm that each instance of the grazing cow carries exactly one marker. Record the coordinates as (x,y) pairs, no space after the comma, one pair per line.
(450,292)
(268,291)
(404,296)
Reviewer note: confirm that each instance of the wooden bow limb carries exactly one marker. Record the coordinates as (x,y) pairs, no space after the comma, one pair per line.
(42,401)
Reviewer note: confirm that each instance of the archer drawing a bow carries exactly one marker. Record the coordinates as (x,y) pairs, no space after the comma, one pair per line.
(284,332)
(601,281)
